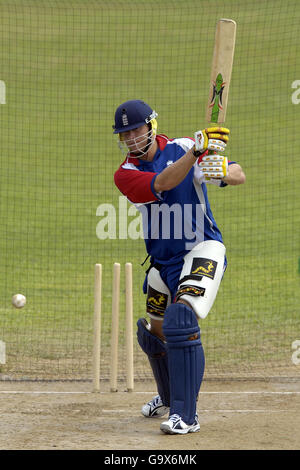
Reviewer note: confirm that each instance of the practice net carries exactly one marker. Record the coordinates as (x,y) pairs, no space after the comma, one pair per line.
(65,65)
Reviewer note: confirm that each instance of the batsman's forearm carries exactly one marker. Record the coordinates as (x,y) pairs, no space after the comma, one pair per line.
(235,175)
(171,176)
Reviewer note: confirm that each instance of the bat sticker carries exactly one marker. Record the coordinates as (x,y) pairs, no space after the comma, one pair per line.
(216,101)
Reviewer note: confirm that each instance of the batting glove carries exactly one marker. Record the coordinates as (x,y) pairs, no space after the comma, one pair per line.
(214,166)
(212,138)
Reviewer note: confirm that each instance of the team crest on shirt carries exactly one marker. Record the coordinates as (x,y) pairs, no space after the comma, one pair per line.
(204,267)
(156,301)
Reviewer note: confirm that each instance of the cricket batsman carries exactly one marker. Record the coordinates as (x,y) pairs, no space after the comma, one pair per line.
(166,179)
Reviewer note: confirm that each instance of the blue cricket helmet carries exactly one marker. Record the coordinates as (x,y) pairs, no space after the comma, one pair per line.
(131,115)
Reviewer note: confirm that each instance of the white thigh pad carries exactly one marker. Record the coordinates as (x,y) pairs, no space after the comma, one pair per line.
(158,295)
(201,276)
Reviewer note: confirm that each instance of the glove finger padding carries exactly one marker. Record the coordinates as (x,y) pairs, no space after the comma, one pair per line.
(221,133)
(214,166)
(212,138)
(215,144)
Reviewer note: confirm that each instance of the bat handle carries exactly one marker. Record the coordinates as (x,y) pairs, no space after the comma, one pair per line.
(212,152)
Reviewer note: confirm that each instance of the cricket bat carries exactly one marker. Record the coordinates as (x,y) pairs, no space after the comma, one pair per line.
(221,71)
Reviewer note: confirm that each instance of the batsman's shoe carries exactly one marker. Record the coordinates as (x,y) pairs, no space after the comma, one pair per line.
(154,408)
(175,425)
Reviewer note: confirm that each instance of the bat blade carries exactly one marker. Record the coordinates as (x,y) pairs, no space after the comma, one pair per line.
(221,71)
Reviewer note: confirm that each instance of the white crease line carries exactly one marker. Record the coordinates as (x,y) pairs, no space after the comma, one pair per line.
(119,411)
(262,392)
(31,392)
(258,392)
(244,411)
(207,411)
(28,392)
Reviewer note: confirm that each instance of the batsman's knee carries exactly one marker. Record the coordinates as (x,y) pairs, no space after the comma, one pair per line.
(180,325)
(151,344)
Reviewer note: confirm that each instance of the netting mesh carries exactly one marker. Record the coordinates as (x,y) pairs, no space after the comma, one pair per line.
(64,68)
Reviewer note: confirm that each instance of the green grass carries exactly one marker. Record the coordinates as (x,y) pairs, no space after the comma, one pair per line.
(67,66)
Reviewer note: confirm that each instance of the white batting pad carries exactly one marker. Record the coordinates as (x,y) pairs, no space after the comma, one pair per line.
(205,261)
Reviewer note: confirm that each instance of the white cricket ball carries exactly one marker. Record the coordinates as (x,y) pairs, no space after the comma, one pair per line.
(19,300)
